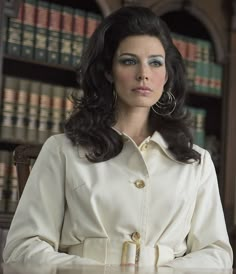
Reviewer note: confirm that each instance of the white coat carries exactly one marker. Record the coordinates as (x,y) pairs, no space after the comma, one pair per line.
(140,207)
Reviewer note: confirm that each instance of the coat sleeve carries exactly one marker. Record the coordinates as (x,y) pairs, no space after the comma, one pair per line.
(207,242)
(34,234)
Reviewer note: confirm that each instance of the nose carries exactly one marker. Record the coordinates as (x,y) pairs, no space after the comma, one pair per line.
(142,73)
(142,77)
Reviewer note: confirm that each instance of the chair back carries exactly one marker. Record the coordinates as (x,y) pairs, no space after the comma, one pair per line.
(23,156)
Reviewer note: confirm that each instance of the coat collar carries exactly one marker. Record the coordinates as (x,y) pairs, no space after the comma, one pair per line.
(156,138)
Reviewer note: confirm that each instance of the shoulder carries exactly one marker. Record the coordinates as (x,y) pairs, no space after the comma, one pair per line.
(58,142)
(205,155)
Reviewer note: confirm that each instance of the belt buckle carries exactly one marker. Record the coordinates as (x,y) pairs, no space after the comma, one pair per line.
(126,249)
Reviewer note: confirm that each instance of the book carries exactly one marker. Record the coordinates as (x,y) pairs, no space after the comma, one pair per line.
(4,178)
(13,189)
(21,109)
(54,25)
(191,62)
(91,23)
(199,137)
(66,36)
(33,111)
(28,35)
(8,113)
(41,31)
(44,112)
(57,109)
(14,33)
(78,36)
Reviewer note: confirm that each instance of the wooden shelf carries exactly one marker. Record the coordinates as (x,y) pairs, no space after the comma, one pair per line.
(39,71)
(10,145)
(204,94)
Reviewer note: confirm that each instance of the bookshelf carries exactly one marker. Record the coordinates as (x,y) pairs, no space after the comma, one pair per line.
(20,63)
(198,19)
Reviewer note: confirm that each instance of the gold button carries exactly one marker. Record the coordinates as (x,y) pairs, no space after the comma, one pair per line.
(139,184)
(144,147)
(135,236)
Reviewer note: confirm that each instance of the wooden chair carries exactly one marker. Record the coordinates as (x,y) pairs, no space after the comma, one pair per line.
(23,157)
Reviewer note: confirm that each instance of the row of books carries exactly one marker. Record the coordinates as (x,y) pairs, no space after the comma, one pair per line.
(52,33)
(203,74)
(49,32)
(8,183)
(31,111)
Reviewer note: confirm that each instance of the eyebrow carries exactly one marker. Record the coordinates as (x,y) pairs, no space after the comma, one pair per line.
(134,55)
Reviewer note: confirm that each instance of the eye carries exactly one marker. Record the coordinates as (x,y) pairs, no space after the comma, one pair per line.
(128,61)
(156,63)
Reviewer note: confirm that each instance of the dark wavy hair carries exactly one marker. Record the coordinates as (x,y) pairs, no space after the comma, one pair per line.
(93,115)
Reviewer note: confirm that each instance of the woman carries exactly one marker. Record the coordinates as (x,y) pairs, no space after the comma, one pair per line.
(124,184)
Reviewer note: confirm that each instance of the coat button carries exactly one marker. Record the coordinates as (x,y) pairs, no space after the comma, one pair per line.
(139,184)
(135,236)
(144,147)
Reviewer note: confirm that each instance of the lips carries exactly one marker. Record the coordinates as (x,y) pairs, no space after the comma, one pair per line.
(142,90)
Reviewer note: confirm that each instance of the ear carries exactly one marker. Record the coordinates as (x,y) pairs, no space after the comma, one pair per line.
(109,77)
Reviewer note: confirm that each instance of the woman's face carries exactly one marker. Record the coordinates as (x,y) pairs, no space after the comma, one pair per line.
(139,71)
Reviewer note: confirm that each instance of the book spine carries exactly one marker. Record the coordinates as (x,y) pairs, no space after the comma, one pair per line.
(191,62)
(78,36)
(14,34)
(54,33)
(66,36)
(8,118)
(44,112)
(28,39)
(218,77)
(92,20)
(57,110)
(21,110)
(41,31)
(200,127)
(4,179)
(12,189)
(33,111)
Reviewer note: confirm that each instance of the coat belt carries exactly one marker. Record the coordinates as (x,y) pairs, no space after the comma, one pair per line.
(116,252)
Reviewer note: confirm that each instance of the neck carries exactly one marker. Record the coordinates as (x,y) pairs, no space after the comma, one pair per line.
(134,123)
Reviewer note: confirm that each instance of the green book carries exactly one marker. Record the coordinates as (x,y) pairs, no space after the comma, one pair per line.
(41,31)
